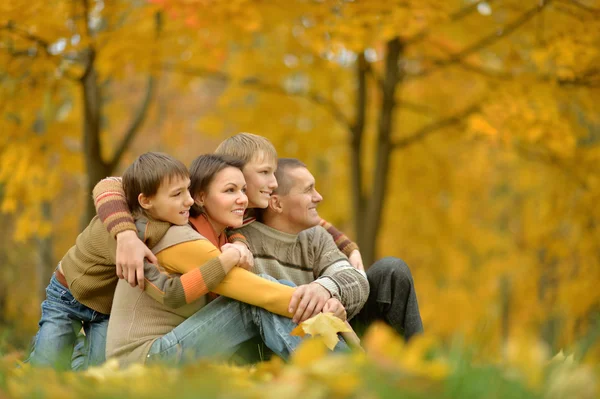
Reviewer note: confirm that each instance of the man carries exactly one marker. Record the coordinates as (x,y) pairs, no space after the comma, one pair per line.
(289,244)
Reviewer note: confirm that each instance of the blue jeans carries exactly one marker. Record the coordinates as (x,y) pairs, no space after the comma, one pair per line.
(219,328)
(62,318)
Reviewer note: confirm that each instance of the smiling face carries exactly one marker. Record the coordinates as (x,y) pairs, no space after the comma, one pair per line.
(299,205)
(260,179)
(172,201)
(225,200)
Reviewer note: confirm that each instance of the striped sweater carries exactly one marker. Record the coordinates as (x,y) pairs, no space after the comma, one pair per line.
(306,257)
(112,209)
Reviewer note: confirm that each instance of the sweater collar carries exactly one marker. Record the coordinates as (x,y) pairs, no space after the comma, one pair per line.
(274,233)
(201,224)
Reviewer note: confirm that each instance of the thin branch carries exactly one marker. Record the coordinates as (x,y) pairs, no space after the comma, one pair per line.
(425,131)
(143,109)
(135,124)
(489,39)
(254,83)
(535,154)
(455,16)
(582,6)
(11,27)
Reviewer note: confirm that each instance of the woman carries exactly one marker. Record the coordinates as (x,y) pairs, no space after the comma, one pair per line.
(141,329)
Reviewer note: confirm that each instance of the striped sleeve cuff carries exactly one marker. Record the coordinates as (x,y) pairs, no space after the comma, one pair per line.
(330,286)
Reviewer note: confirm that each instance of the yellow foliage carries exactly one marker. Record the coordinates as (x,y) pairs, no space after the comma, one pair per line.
(324,325)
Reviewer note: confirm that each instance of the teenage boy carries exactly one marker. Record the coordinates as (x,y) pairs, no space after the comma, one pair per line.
(81,290)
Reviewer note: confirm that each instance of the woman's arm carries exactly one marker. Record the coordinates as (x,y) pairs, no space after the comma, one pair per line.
(214,275)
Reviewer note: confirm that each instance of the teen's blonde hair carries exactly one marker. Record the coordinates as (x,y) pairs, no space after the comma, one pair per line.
(248,147)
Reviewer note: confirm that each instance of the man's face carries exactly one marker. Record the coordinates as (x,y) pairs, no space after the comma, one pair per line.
(299,206)
(260,181)
(172,201)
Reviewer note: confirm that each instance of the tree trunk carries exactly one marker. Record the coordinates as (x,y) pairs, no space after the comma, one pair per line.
(357,130)
(96,168)
(372,218)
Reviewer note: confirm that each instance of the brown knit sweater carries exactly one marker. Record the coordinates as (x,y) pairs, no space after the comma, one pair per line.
(89,266)
(306,257)
(137,320)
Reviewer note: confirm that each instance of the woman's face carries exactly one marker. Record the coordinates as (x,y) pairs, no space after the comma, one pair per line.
(225,200)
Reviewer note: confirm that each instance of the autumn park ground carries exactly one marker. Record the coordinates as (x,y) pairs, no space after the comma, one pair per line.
(387,368)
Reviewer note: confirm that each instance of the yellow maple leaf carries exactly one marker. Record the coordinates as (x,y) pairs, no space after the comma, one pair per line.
(325,325)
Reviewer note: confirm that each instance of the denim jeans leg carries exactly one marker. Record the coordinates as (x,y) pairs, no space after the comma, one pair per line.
(216,330)
(79,358)
(95,340)
(53,344)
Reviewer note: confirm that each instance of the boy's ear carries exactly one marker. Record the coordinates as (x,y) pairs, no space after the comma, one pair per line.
(275,203)
(145,202)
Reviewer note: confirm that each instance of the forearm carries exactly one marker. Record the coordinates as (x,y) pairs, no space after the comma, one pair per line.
(343,242)
(111,206)
(348,285)
(247,287)
(176,290)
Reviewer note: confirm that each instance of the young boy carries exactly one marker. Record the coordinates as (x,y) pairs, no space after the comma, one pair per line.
(80,292)
(260,159)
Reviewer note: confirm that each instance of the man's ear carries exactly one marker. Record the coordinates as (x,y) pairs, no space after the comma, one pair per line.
(275,203)
(145,202)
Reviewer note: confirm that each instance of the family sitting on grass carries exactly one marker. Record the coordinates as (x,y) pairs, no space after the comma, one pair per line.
(235,250)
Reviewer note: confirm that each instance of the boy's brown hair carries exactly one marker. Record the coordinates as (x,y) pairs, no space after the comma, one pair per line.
(147,173)
(203,171)
(247,147)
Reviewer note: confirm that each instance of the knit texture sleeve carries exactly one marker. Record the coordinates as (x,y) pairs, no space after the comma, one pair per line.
(344,244)
(111,206)
(334,272)
(189,271)
(236,236)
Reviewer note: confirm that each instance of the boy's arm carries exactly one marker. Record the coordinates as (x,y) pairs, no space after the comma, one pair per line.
(111,206)
(344,244)
(175,290)
(113,211)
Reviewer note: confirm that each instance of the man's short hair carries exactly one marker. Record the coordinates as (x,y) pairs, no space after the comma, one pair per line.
(147,173)
(248,146)
(203,171)
(284,183)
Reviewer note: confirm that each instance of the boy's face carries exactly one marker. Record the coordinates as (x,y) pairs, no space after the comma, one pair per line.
(172,201)
(260,181)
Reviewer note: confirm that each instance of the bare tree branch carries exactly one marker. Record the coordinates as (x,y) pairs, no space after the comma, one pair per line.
(135,124)
(582,6)
(11,27)
(312,96)
(487,40)
(455,16)
(425,131)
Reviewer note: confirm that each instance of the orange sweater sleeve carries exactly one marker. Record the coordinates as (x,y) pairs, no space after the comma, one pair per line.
(238,284)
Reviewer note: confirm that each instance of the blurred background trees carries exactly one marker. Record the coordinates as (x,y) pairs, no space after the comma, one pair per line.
(462,136)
